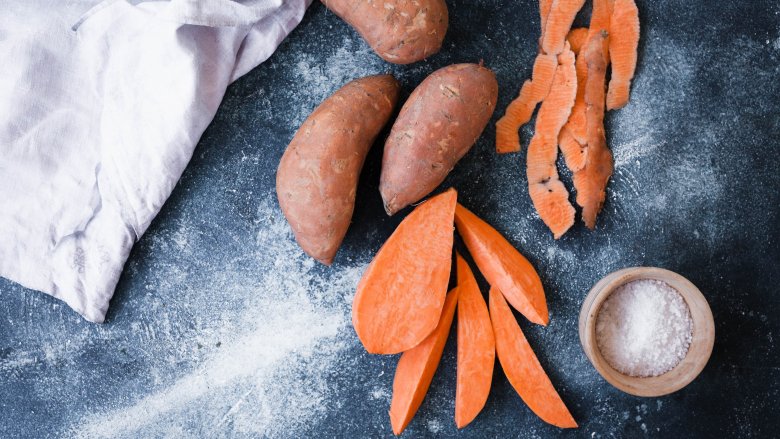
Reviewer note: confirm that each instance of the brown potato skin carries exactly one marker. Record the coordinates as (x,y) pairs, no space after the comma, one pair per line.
(399,31)
(317,177)
(439,123)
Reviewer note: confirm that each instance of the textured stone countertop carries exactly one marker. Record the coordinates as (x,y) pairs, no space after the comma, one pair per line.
(221,327)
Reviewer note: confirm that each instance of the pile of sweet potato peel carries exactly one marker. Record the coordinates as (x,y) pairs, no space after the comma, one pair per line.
(569,80)
(402,305)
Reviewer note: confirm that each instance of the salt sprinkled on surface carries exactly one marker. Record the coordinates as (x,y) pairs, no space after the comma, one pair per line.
(270,373)
(644,328)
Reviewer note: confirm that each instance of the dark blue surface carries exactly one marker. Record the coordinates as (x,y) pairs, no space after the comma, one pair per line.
(204,333)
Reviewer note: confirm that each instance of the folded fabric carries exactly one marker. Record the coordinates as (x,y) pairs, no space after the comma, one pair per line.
(99,115)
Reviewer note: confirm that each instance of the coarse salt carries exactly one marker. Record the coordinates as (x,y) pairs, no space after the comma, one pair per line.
(644,328)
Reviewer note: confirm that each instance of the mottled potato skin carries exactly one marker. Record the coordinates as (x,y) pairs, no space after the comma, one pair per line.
(438,124)
(318,173)
(399,31)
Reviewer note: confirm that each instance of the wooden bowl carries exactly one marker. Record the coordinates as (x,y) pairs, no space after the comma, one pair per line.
(702,339)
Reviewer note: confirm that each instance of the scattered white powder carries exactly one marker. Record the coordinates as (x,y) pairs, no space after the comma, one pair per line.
(644,328)
(380,392)
(630,152)
(266,372)
(435,426)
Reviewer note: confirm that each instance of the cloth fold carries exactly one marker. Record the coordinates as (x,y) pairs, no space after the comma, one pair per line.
(100,112)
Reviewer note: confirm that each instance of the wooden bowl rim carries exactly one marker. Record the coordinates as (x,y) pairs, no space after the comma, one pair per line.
(702,339)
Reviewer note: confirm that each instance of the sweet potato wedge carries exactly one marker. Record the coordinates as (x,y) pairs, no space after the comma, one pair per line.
(476,348)
(503,266)
(522,368)
(399,298)
(416,368)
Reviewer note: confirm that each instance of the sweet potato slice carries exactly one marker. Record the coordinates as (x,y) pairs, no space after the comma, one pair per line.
(476,348)
(503,266)
(623,42)
(591,180)
(416,368)
(572,139)
(558,24)
(549,195)
(573,152)
(600,22)
(577,125)
(522,368)
(520,110)
(544,12)
(400,296)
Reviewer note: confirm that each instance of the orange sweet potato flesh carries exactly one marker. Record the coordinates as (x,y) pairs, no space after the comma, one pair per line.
(476,348)
(416,367)
(318,175)
(591,180)
(544,12)
(399,298)
(519,111)
(399,31)
(577,125)
(503,266)
(439,123)
(573,152)
(576,38)
(623,42)
(558,24)
(549,195)
(600,22)
(522,368)
(572,146)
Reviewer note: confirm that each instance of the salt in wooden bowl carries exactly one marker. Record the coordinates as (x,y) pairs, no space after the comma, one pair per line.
(702,338)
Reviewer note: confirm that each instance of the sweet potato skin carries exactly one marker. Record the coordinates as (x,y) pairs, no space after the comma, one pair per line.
(439,123)
(317,177)
(399,31)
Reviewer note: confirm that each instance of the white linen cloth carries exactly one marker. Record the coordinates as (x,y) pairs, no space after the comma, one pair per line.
(101,106)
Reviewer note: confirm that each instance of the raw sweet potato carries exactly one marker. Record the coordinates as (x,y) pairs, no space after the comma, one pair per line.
(550,197)
(319,171)
(503,266)
(416,367)
(522,368)
(476,347)
(399,298)
(576,38)
(558,24)
(591,181)
(623,42)
(520,110)
(438,124)
(399,31)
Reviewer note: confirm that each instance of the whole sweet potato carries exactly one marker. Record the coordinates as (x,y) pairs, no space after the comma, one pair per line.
(399,31)
(440,122)
(318,174)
